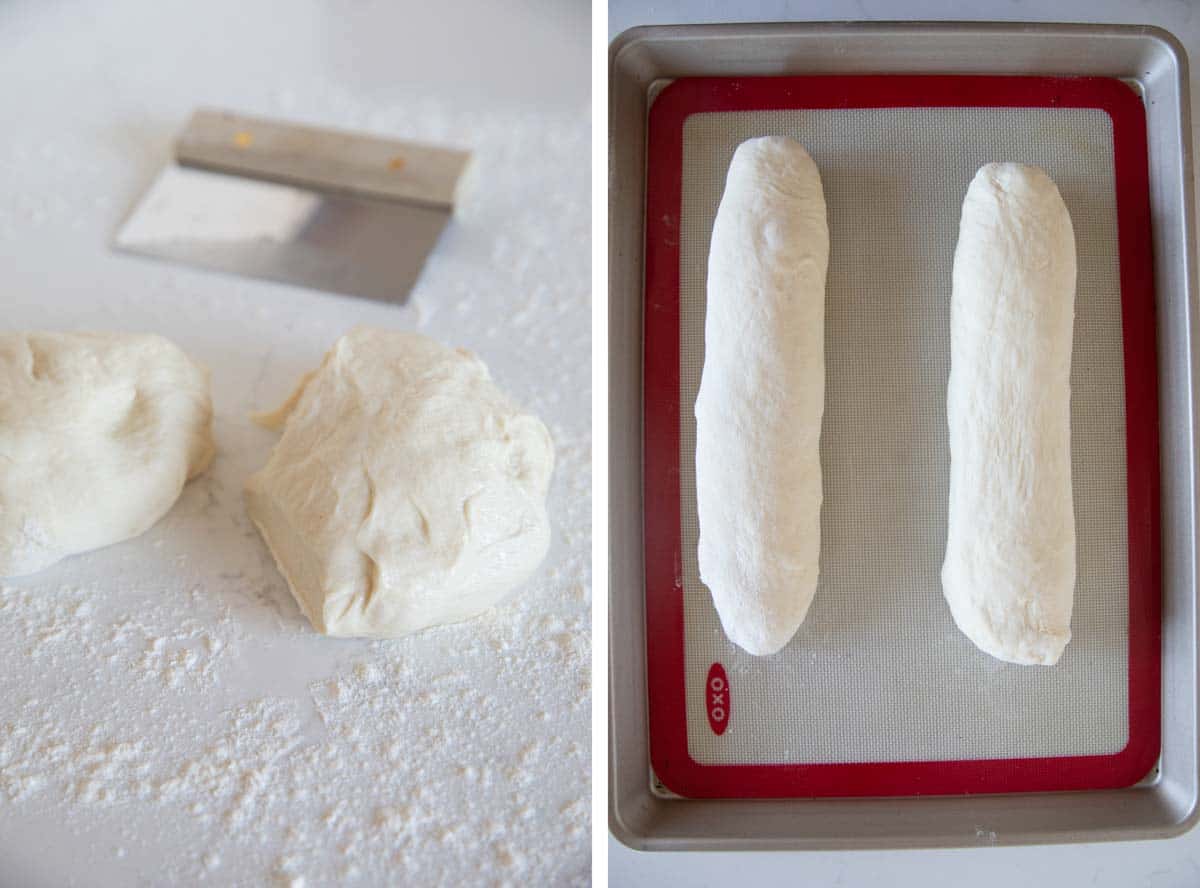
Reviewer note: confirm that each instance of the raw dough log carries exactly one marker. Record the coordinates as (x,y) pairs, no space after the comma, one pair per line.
(1009,573)
(406,491)
(762,395)
(98,434)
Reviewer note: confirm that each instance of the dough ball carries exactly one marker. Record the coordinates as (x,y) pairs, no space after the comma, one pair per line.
(98,434)
(407,490)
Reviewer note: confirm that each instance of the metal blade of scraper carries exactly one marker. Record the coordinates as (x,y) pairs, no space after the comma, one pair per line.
(319,208)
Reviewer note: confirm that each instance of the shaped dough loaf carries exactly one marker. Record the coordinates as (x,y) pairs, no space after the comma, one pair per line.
(1009,573)
(406,491)
(762,395)
(98,434)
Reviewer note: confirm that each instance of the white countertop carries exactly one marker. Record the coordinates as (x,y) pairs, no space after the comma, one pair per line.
(1162,864)
(167,716)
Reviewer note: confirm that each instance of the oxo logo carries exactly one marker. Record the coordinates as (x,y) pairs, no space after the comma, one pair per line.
(716,698)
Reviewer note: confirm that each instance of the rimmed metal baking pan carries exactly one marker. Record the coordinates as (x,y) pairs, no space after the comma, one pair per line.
(879,726)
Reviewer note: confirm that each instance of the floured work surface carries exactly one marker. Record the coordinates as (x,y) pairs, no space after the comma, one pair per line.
(167,714)
(878,673)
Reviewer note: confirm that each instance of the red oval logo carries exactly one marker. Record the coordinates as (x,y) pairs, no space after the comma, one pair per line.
(716,698)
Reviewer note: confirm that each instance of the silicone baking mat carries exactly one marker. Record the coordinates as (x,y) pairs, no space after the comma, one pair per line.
(878,693)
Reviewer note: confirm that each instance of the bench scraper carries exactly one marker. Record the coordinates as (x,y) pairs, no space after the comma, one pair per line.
(320,208)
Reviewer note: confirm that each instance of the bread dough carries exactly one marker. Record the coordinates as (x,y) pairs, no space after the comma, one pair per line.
(98,434)
(407,490)
(1009,573)
(762,395)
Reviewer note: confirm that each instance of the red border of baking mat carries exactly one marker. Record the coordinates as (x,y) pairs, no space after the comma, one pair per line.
(664,571)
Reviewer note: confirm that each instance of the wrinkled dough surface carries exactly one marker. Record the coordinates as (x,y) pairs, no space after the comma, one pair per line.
(98,434)
(762,395)
(406,490)
(1009,572)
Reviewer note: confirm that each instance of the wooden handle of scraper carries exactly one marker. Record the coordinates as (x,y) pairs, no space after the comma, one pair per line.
(322,159)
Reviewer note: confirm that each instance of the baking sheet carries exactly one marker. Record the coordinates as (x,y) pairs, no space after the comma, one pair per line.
(878,672)
(646,560)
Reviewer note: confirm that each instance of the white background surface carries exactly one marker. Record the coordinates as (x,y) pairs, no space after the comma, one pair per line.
(1163,864)
(167,717)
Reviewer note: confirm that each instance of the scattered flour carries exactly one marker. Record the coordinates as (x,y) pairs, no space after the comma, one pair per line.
(438,758)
